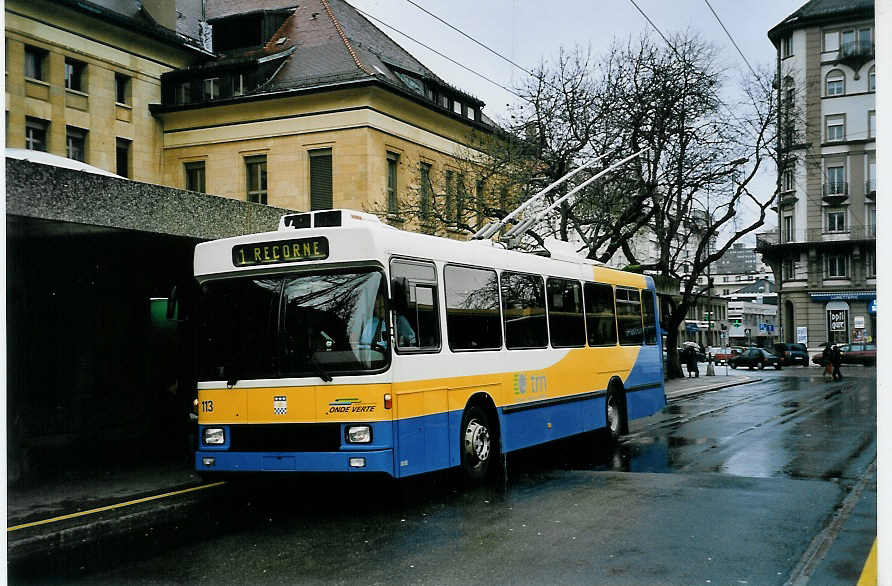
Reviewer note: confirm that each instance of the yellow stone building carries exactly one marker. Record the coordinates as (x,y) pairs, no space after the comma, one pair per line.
(302,107)
(80,78)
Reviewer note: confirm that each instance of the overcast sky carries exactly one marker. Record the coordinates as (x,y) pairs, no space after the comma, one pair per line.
(527,31)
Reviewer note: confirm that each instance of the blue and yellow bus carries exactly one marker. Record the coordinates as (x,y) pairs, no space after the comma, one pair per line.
(338,343)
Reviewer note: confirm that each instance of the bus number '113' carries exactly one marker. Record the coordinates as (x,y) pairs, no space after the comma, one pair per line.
(207,406)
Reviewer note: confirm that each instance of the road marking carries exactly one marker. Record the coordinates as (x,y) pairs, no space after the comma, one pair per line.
(822,542)
(869,573)
(115,506)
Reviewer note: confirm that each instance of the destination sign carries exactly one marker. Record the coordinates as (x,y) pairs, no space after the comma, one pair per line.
(279,251)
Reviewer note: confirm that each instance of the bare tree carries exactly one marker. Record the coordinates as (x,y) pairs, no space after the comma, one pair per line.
(640,94)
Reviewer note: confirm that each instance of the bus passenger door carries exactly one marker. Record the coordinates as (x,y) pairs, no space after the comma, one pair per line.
(420,424)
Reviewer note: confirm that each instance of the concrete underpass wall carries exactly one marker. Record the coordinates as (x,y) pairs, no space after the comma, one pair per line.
(95,377)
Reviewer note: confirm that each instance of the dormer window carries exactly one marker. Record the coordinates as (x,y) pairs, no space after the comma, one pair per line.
(211,89)
(411,82)
(183,93)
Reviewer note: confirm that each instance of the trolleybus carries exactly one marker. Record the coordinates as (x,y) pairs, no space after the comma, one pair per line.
(338,343)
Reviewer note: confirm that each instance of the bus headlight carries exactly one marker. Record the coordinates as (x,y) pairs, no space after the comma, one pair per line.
(359,434)
(214,436)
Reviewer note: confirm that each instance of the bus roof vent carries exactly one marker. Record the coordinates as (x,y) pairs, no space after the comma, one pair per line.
(561,250)
(326,219)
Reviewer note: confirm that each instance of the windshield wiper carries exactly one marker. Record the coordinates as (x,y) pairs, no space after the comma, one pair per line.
(319,370)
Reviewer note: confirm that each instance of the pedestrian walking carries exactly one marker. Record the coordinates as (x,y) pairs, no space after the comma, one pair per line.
(827,359)
(691,360)
(836,359)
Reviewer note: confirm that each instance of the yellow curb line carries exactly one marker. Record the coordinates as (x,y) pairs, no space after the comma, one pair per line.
(110,507)
(869,573)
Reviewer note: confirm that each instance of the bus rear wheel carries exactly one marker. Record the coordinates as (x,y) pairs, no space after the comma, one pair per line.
(616,413)
(478,443)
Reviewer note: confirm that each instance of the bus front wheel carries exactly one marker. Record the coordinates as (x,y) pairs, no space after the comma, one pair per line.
(478,445)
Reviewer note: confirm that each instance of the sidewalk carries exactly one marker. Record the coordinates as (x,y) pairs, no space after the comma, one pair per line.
(685,387)
(85,508)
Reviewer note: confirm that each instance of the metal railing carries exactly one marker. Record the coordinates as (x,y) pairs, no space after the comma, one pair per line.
(856,49)
(766,240)
(836,188)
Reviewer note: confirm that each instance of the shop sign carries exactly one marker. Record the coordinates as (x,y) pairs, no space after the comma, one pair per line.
(837,320)
(859,322)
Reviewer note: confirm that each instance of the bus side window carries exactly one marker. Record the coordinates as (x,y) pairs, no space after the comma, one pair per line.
(417,327)
(650,317)
(628,317)
(600,315)
(523,297)
(472,308)
(565,317)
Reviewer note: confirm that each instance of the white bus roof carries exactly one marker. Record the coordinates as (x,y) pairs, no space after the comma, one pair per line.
(363,238)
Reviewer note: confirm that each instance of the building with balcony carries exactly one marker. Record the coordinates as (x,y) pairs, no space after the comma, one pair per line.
(824,253)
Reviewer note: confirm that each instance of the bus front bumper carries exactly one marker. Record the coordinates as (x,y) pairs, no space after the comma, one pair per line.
(347,461)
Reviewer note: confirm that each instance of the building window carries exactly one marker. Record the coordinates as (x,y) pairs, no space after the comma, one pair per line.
(195,176)
(871,124)
(871,213)
(35,134)
(836,83)
(836,221)
(238,84)
(122,157)
(76,143)
(872,79)
(425,190)
(831,41)
(183,93)
(211,89)
(871,186)
(75,75)
(255,178)
(726,279)
(726,291)
(789,179)
(788,228)
(320,180)
(789,267)
(456,106)
(34,62)
(393,160)
(837,266)
(836,128)
(871,263)
(847,42)
(836,184)
(787,46)
(122,88)
(449,179)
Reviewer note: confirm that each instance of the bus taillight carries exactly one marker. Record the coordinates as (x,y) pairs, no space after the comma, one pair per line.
(388,400)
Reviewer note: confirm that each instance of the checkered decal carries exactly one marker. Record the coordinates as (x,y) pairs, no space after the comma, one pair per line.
(280,405)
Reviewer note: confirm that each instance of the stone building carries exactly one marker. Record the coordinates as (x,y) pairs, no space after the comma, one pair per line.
(298,108)
(824,253)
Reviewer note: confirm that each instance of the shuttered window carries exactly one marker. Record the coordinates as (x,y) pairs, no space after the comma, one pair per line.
(320,180)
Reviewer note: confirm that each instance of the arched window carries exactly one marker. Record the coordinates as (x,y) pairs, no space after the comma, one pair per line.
(872,79)
(836,83)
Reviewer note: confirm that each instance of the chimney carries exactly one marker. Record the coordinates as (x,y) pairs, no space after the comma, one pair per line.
(164,12)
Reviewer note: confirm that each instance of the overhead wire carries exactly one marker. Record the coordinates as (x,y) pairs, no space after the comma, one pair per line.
(450,59)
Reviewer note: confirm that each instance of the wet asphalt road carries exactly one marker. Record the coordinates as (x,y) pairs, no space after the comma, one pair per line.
(729,487)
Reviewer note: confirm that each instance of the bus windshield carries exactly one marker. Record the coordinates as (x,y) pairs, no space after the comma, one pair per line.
(311,323)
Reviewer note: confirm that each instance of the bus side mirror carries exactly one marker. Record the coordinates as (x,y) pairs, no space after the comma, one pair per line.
(399,294)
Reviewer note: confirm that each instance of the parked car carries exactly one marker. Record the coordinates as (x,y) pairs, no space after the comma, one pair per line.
(721,355)
(755,357)
(791,354)
(865,354)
